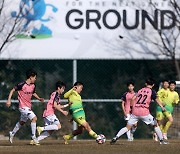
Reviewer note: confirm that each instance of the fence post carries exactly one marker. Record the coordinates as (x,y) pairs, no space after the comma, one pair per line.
(74,80)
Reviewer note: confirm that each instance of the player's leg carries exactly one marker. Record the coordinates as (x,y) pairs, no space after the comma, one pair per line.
(51,123)
(18,125)
(15,129)
(133,129)
(128,133)
(87,127)
(149,119)
(76,132)
(133,120)
(168,124)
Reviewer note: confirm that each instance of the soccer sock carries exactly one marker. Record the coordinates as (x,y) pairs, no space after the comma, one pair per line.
(93,134)
(43,136)
(133,129)
(121,132)
(166,127)
(158,132)
(128,133)
(161,127)
(16,128)
(51,127)
(33,129)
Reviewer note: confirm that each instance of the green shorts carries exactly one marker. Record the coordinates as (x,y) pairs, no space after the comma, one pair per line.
(159,115)
(79,117)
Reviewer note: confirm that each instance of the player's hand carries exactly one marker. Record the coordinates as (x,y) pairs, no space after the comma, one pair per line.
(125,115)
(41,99)
(163,109)
(65,113)
(70,103)
(8,103)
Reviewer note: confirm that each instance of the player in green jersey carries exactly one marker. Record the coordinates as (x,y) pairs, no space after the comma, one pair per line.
(77,111)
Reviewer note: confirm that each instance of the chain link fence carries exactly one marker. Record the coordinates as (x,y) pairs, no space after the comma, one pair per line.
(103,79)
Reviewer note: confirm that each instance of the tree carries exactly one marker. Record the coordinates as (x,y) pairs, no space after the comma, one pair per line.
(12,22)
(152,42)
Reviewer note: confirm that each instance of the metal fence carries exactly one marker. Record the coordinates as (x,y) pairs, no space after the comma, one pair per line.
(104,80)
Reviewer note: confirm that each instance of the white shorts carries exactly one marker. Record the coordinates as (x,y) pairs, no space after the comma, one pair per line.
(26,113)
(149,119)
(128,117)
(51,119)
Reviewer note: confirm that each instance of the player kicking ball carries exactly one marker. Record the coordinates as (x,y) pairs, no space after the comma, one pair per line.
(51,121)
(140,111)
(25,91)
(77,111)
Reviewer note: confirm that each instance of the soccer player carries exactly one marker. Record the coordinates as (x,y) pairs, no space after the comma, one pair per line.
(162,96)
(25,92)
(51,121)
(126,106)
(77,111)
(170,101)
(140,111)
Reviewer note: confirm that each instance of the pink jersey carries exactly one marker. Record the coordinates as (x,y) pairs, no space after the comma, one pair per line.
(25,92)
(142,102)
(127,99)
(55,97)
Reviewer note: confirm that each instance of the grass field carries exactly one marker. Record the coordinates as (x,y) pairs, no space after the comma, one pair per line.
(90,147)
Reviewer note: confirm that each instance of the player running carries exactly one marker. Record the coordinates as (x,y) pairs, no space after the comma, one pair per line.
(51,121)
(170,101)
(126,106)
(162,96)
(77,111)
(140,111)
(25,92)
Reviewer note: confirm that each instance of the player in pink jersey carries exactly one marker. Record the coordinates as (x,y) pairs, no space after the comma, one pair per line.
(126,106)
(140,111)
(51,121)
(25,92)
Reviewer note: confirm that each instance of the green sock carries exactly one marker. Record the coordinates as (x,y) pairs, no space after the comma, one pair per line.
(93,134)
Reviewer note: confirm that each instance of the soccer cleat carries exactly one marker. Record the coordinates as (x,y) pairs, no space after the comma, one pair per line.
(11,137)
(113,141)
(39,130)
(36,142)
(163,142)
(155,137)
(66,139)
(33,143)
(165,136)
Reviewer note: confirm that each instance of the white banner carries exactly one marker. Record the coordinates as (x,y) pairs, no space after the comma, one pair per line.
(91,29)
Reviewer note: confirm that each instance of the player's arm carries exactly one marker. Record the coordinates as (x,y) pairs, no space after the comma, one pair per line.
(8,103)
(37,97)
(123,107)
(160,104)
(67,94)
(176,98)
(59,108)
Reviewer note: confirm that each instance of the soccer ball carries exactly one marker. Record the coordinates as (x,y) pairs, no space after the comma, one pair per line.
(101,139)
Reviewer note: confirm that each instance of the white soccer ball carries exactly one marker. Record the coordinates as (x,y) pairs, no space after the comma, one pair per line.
(101,139)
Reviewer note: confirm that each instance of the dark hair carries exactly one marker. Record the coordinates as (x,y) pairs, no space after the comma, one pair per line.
(78,83)
(130,82)
(30,73)
(60,84)
(165,80)
(150,81)
(172,82)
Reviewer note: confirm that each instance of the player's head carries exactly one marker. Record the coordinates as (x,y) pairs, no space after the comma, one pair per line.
(60,87)
(78,86)
(149,82)
(130,86)
(172,85)
(31,75)
(165,84)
